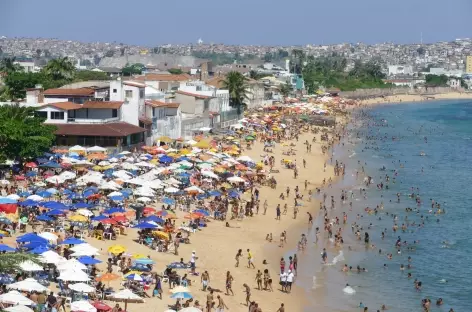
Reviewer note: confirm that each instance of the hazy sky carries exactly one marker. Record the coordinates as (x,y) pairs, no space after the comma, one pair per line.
(274,22)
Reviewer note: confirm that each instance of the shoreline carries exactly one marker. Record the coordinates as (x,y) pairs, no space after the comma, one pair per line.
(408,98)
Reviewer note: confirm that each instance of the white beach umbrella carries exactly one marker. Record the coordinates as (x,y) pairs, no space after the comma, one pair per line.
(85,212)
(115,193)
(14,297)
(49,236)
(191,309)
(29,284)
(235,179)
(144,199)
(245,159)
(18,308)
(144,191)
(35,197)
(126,295)
(113,160)
(104,163)
(40,184)
(77,148)
(55,180)
(51,257)
(124,153)
(67,175)
(145,164)
(74,276)
(30,266)
(171,190)
(13,196)
(136,181)
(180,289)
(82,287)
(210,174)
(71,265)
(4,182)
(194,188)
(82,306)
(96,149)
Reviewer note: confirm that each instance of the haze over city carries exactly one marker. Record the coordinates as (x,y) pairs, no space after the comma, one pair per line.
(260,22)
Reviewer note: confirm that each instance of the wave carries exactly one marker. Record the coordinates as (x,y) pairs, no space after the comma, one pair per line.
(352,155)
(338,258)
(349,290)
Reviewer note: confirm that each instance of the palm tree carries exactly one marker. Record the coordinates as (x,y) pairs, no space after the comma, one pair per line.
(7,65)
(297,61)
(60,69)
(285,89)
(237,85)
(16,112)
(11,261)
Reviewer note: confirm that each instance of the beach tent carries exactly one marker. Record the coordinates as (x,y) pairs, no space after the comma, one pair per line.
(82,306)
(14,297)
(95,149)
(29,284)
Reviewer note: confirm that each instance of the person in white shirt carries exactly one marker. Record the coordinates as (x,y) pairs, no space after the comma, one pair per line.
(192,262)
(283,281)
(290,277)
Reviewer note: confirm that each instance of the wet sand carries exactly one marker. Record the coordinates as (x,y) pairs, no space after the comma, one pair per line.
(416,98)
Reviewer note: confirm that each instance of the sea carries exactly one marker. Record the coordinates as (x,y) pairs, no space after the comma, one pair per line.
(425,149)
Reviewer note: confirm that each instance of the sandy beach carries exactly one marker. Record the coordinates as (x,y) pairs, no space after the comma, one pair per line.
(405,98)
(217,245)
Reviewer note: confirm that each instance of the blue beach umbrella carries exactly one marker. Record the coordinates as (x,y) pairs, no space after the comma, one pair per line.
(87,260)
(28,202)
(134,277)
(144,261)
(215,193)
(114,210)
(117,198)
(81,205)
(4,247)
(99,218)
(203,212)
(168,201)
(50,164)
(72,241)
(154,218)
(44,217)
(24,194)
(181,295)
(39,250)
(6,279)
(165,159)
(55,212)
(6,200)
(31,174)
(144,225)
(44,194)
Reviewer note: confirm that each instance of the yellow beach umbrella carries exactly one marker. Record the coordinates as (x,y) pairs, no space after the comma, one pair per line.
(78,218)
(203,144)
(160,234)
(139,256)
(116,249)
(184,152)
(164,139)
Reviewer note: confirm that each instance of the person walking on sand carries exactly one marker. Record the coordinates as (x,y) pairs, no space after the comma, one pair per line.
(277,211)
(229,282)
(259,279)
(205,280)
(238,255)
(247,290)
(282,308)
(250,260)
(209,303)
(221,304)
(266,205)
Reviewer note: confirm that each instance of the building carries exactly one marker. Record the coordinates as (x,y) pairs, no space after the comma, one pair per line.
(454,83)
(166,118)
(163,82)
(112,117)
(468,64)
(27,65)
(441,71)
(394,70)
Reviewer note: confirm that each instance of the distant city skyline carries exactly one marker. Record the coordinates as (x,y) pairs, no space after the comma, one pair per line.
(256,22)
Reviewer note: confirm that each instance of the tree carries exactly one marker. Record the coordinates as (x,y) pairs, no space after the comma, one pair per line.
(237,86)
(23,134)
(17,82)
(84,75)
(175,71)
(134,69)
(11,261)
(297,61)
(60,69)
(7,65)
(285,89)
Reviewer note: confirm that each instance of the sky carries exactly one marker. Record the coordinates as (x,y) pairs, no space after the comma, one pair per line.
(245,22)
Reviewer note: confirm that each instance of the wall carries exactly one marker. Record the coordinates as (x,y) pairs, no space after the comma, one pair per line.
(190,104)
(368,93)
(53,109)
(55,100)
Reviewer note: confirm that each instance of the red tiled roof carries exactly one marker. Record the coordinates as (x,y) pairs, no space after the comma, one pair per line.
(173,105)
(145,120)
(64,105)
(216,82)
(114,129)
(164,77)
(103,104)
(71,92)
(198,96)
(134,84)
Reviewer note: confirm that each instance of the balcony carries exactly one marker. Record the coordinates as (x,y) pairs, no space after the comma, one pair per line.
(92,121)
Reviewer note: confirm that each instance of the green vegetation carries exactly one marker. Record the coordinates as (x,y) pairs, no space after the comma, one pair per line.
(255,75)
(330,73)
(285,89)
(224,58)
(84,75)
(237,86)
(133,69)
(276,56)
(175,71)
(442,81)
(23,136)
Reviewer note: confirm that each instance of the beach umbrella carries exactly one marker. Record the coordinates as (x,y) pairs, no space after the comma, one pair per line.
(35,198)
(154,219)
(126,295)
(101,306)
(168,201)
(39,250)
(44,194)
(144,225)
(7,200)
(84,250)
(235,179)
(78,218)
(6,248)
(85,212)
(182,295)
(55,205)
(80,205)
(116,249)
(56,212)
(30,266)
(31,174)
(44,217)
(215,193)
(31,165)
(71,265)
(87,260)
(72,241)
(144,261)
(82,306)
(51,257)
(18,308)
(203,212)
(114,210)
(134,277)
(14,297)
(49,236)
(6,279)
(144,199)
(99,218)
(29,284)
(190,309)
(74,276)
(82,287)
(107,277)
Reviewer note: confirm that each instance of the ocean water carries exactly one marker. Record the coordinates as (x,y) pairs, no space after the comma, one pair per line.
(442,132)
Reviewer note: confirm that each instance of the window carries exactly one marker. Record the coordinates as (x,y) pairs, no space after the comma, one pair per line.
(128,93)
(141,93)
(42,114)
(114,113)
(57,115)
(114,90)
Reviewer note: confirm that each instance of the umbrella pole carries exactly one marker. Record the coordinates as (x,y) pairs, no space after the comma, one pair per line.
(126,305)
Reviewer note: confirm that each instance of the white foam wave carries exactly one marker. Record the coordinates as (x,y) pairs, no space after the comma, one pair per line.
(349,290)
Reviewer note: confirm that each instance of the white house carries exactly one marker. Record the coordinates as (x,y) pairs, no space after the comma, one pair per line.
(394,70)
